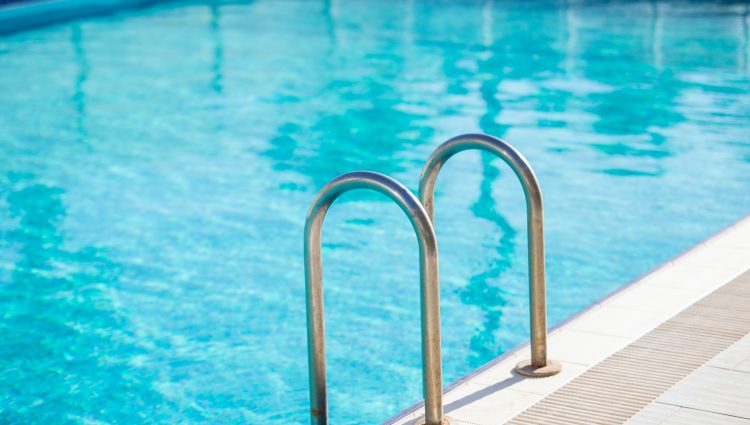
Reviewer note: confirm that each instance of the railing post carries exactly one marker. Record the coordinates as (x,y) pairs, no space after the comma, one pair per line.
(429,290)
(539,365)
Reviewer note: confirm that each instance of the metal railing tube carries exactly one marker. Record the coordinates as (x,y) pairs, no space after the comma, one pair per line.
(429,289)
(539,364)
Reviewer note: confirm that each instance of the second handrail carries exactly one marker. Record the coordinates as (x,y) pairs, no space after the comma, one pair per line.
(539,365)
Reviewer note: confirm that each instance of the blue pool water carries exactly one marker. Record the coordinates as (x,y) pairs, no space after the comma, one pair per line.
(156,167)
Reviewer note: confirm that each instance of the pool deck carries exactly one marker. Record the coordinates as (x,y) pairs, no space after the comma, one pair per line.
(646,353)
(716,393)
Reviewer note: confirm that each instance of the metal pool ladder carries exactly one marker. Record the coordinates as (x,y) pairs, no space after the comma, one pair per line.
(421,215)
(432,375)
(539,365)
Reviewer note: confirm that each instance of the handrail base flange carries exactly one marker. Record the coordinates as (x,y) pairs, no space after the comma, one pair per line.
(446,421)
(552,367)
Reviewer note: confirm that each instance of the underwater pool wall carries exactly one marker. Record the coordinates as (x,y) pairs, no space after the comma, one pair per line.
(17,17)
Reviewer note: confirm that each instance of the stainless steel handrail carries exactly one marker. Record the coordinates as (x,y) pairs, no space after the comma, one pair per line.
(429,289)
(539,364)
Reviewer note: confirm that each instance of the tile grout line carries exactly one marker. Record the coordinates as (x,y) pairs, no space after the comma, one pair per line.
(679,406)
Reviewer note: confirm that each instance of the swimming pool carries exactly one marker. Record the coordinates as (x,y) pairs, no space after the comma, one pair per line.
(156,167)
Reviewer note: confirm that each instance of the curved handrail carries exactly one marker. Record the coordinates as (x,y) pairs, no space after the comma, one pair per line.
(539,365)
(429,289)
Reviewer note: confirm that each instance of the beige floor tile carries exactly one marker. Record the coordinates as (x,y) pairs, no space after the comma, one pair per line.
(481,404)
(713,389)
(737,236)
(743,367)
(653,414)
(654,298)
(697,417)
(583,348)
(618,321)
(714,255)
(733,357)
(689,277)
(488,406)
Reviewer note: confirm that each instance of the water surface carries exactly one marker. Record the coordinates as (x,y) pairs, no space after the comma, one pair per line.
(156,167)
